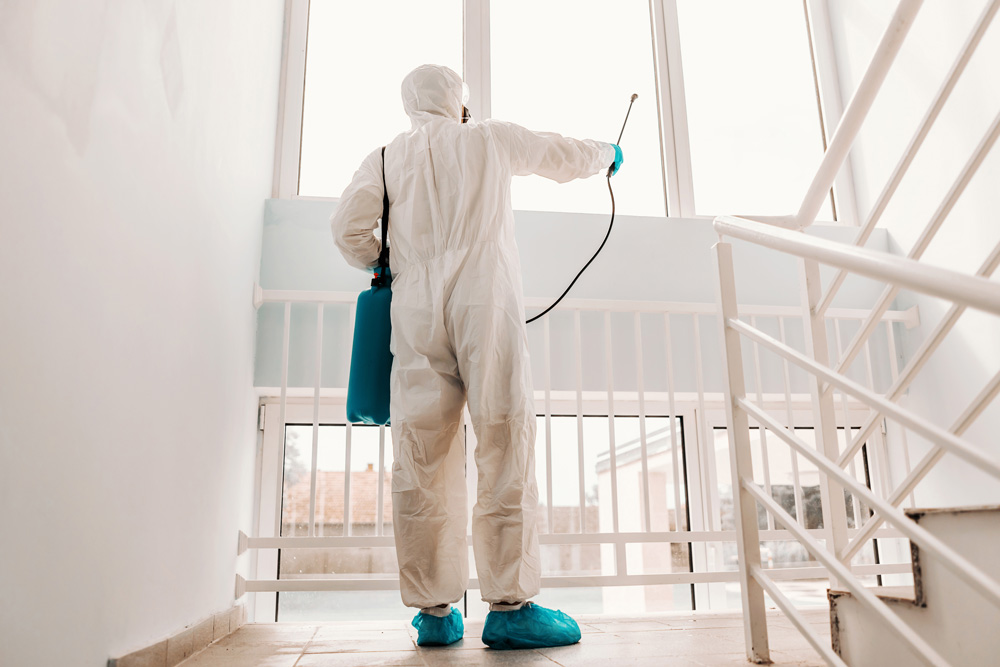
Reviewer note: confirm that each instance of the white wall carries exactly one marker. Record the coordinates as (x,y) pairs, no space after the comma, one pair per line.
(136,143)
(971,354)
(646,258)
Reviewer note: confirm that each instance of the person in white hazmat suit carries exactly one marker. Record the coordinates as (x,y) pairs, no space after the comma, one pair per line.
(458,334)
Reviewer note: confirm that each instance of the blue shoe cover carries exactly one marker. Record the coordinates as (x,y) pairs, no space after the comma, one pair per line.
(530,626)
(438,630)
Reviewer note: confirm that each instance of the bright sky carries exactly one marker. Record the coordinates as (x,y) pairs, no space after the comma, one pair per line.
(570,66)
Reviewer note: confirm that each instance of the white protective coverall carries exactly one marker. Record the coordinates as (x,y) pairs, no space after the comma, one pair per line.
(458,333)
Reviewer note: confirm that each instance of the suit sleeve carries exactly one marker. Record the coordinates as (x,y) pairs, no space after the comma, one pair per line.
(552,155)
(357,215)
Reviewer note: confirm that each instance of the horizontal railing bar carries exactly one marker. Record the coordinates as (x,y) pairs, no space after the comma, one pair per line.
(964,421)
(795,617)
(595,402)
(857,110)
(286,585)
(958,564)
(846,578)
(936,434)
(973,291)
(920,357)
(923,242)
(392,583)
(910,316)
(930,117)
(663,537)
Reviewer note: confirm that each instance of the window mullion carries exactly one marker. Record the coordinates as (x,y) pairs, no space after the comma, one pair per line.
(831,102)
(476,56)
(287,150)
(675,145)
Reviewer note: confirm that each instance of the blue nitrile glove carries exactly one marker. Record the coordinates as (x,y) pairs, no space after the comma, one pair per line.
(618,159)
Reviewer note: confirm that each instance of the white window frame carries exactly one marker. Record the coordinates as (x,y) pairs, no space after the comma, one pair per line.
(697,416)
(675,149)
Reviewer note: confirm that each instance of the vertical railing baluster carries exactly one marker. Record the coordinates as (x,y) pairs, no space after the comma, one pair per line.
(286,330)
(825,425)
(347,480)
(548,424)
(894,369)
(380,502)
(846,416)
(674,437)
(741,463)
(578,337)
(315,425)
(621,567)
(707,437)
(637,324)
(790,415)
(879,453)
(764,459)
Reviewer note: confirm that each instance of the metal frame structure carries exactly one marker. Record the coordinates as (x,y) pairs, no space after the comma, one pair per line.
(675,149)
(831,375)
(697,415)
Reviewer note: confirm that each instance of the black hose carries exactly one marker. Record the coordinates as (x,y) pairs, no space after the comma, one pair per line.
(606,236)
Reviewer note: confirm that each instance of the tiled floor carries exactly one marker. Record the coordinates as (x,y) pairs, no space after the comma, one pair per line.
(677,640)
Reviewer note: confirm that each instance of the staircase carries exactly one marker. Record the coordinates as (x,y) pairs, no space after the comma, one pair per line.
(951,616)
(955,619)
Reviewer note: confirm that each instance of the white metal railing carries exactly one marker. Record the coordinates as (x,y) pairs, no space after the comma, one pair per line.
(827,376)
(968,291)
(693,413)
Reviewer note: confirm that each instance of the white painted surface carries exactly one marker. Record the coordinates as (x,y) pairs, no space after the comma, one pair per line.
(970,354)
(136,143)
(957,621)
(657,259)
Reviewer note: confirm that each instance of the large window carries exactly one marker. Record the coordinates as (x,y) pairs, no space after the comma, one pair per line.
(571,69)
(358,54)
(727,121)
(752,112)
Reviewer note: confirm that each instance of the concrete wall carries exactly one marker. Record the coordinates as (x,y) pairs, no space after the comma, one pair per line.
(971,353)
(136,143)
(645,259)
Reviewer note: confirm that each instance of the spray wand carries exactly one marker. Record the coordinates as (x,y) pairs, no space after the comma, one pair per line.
(606,236)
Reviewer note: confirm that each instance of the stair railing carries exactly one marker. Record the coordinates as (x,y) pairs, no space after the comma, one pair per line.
(962,291)
(965,291)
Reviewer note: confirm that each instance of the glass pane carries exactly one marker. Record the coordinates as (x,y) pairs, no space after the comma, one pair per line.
(570,66)
(358,54)
(330,479)
(752,111)
(312,606)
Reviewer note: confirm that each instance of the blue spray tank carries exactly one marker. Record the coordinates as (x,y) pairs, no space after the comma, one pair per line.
(371,359)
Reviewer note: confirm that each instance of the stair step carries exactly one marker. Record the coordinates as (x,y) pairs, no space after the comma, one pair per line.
(905,594)
(952,616)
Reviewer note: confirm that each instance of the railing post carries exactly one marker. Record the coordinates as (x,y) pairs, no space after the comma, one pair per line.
(741,466)
(824,416)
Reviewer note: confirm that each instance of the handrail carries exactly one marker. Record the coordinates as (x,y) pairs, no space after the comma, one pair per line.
(964,421)
(975,292)
(958,564)
(855,113)
(864,595)
(917,424)
(924,240)
(968,49)
(909,317)
(920,358)
(825,375)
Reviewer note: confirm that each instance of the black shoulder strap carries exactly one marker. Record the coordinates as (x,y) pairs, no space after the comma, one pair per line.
(383,258)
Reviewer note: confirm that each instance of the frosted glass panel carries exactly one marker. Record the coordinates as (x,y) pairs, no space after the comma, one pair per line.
(752,110)
(570,66)
(358,54)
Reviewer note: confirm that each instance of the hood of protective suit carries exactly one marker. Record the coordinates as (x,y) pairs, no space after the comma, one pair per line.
(433,91)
